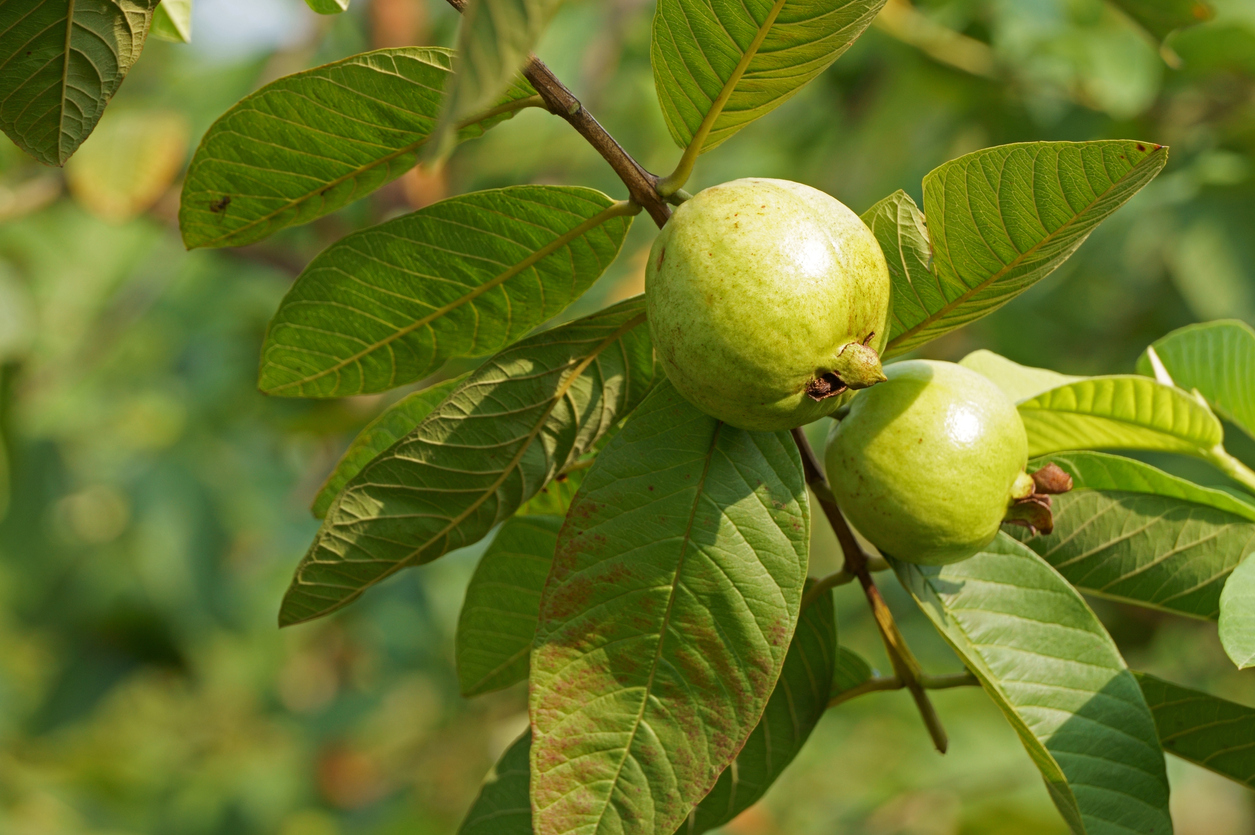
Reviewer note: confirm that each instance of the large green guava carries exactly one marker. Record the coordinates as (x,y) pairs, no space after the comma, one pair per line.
(926,464)
(767,300)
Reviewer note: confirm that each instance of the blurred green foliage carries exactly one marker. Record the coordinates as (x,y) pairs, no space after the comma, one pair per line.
(157,504)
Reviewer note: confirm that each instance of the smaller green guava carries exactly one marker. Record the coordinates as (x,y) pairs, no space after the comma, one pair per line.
(926,464)
(767,300)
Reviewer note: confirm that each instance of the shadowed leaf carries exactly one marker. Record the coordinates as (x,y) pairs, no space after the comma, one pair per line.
(1217,734)
(1237,615)
(494,442)
(60,63)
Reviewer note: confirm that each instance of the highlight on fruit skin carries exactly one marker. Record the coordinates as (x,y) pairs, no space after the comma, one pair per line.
(768,301)
(928,464)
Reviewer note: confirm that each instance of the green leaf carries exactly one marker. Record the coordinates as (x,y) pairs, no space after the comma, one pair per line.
(1216,358)
(519,419)
(1018,382)
(1163,17)
(1054,672)
(1215,733)
(502,604)
(792,712)
(463,277)
(719,66)
(328,6)
(794,709)
(1133,533)
(1237,615)
(899,227)
(674,592)
(60,63)
(502,807)
(310,143)
(393,424)
(554,499)
(1119,412)
(851,670)
(172,21)
(1004,218)
(494,42)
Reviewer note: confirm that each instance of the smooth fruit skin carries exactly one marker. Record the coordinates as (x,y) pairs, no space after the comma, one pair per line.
(757,287)
(926,464)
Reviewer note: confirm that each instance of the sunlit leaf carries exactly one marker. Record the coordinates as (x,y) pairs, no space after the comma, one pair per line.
(731,63)
(1218,359)
(502,604)
(1018,382)
(899,227)
(1163,17)
(463,277)
(519,419)
(60,63)
(1134,533)
(674,592)
(1054,672)
(128,163)
(1237,615)
(172,21)
(794,708)
(393,424)
(1003,218)
(310,143)
(1215,733)
(1118,412)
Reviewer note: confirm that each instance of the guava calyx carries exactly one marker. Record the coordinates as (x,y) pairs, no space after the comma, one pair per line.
(1034,510)
(857,366)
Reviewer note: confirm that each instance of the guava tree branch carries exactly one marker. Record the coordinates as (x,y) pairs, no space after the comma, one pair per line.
(878,683)
(903,660)
(641,184)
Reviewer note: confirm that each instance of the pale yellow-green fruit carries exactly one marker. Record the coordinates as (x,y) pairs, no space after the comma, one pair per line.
(767,300)
(926,464)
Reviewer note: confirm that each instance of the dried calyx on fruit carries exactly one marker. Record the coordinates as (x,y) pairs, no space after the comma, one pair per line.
(929,464)
(767,300)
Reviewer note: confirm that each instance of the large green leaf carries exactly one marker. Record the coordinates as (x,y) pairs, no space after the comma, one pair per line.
(1237,615)
(519,419)
(60,63)
(1216,358)
(463,277)
(1215,733)
(1018,382)
(1119,412)
(719,66)
(795,706)
(674,593)
(502,604)
(902,233)
(1003,218)
(309,143)
(1163,17)
(1049,665)
(493,44)
(393,424)
(1131,532)
(172,21)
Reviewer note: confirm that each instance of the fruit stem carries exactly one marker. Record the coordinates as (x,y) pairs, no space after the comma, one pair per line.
(878,683)
(857,564)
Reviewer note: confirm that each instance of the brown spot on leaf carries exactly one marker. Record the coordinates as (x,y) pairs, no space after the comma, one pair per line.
(220,205)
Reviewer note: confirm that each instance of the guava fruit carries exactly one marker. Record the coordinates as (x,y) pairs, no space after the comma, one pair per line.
(927,464)
(767,301)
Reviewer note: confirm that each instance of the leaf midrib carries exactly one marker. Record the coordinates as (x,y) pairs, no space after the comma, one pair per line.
(557,397)
(65,78)
(517,269)
(950,306)
(666,617)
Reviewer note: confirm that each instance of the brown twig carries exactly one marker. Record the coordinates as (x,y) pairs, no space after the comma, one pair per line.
(641,184)
(900,655)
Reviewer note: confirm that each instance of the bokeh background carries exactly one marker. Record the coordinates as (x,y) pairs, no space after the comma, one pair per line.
(155,503)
